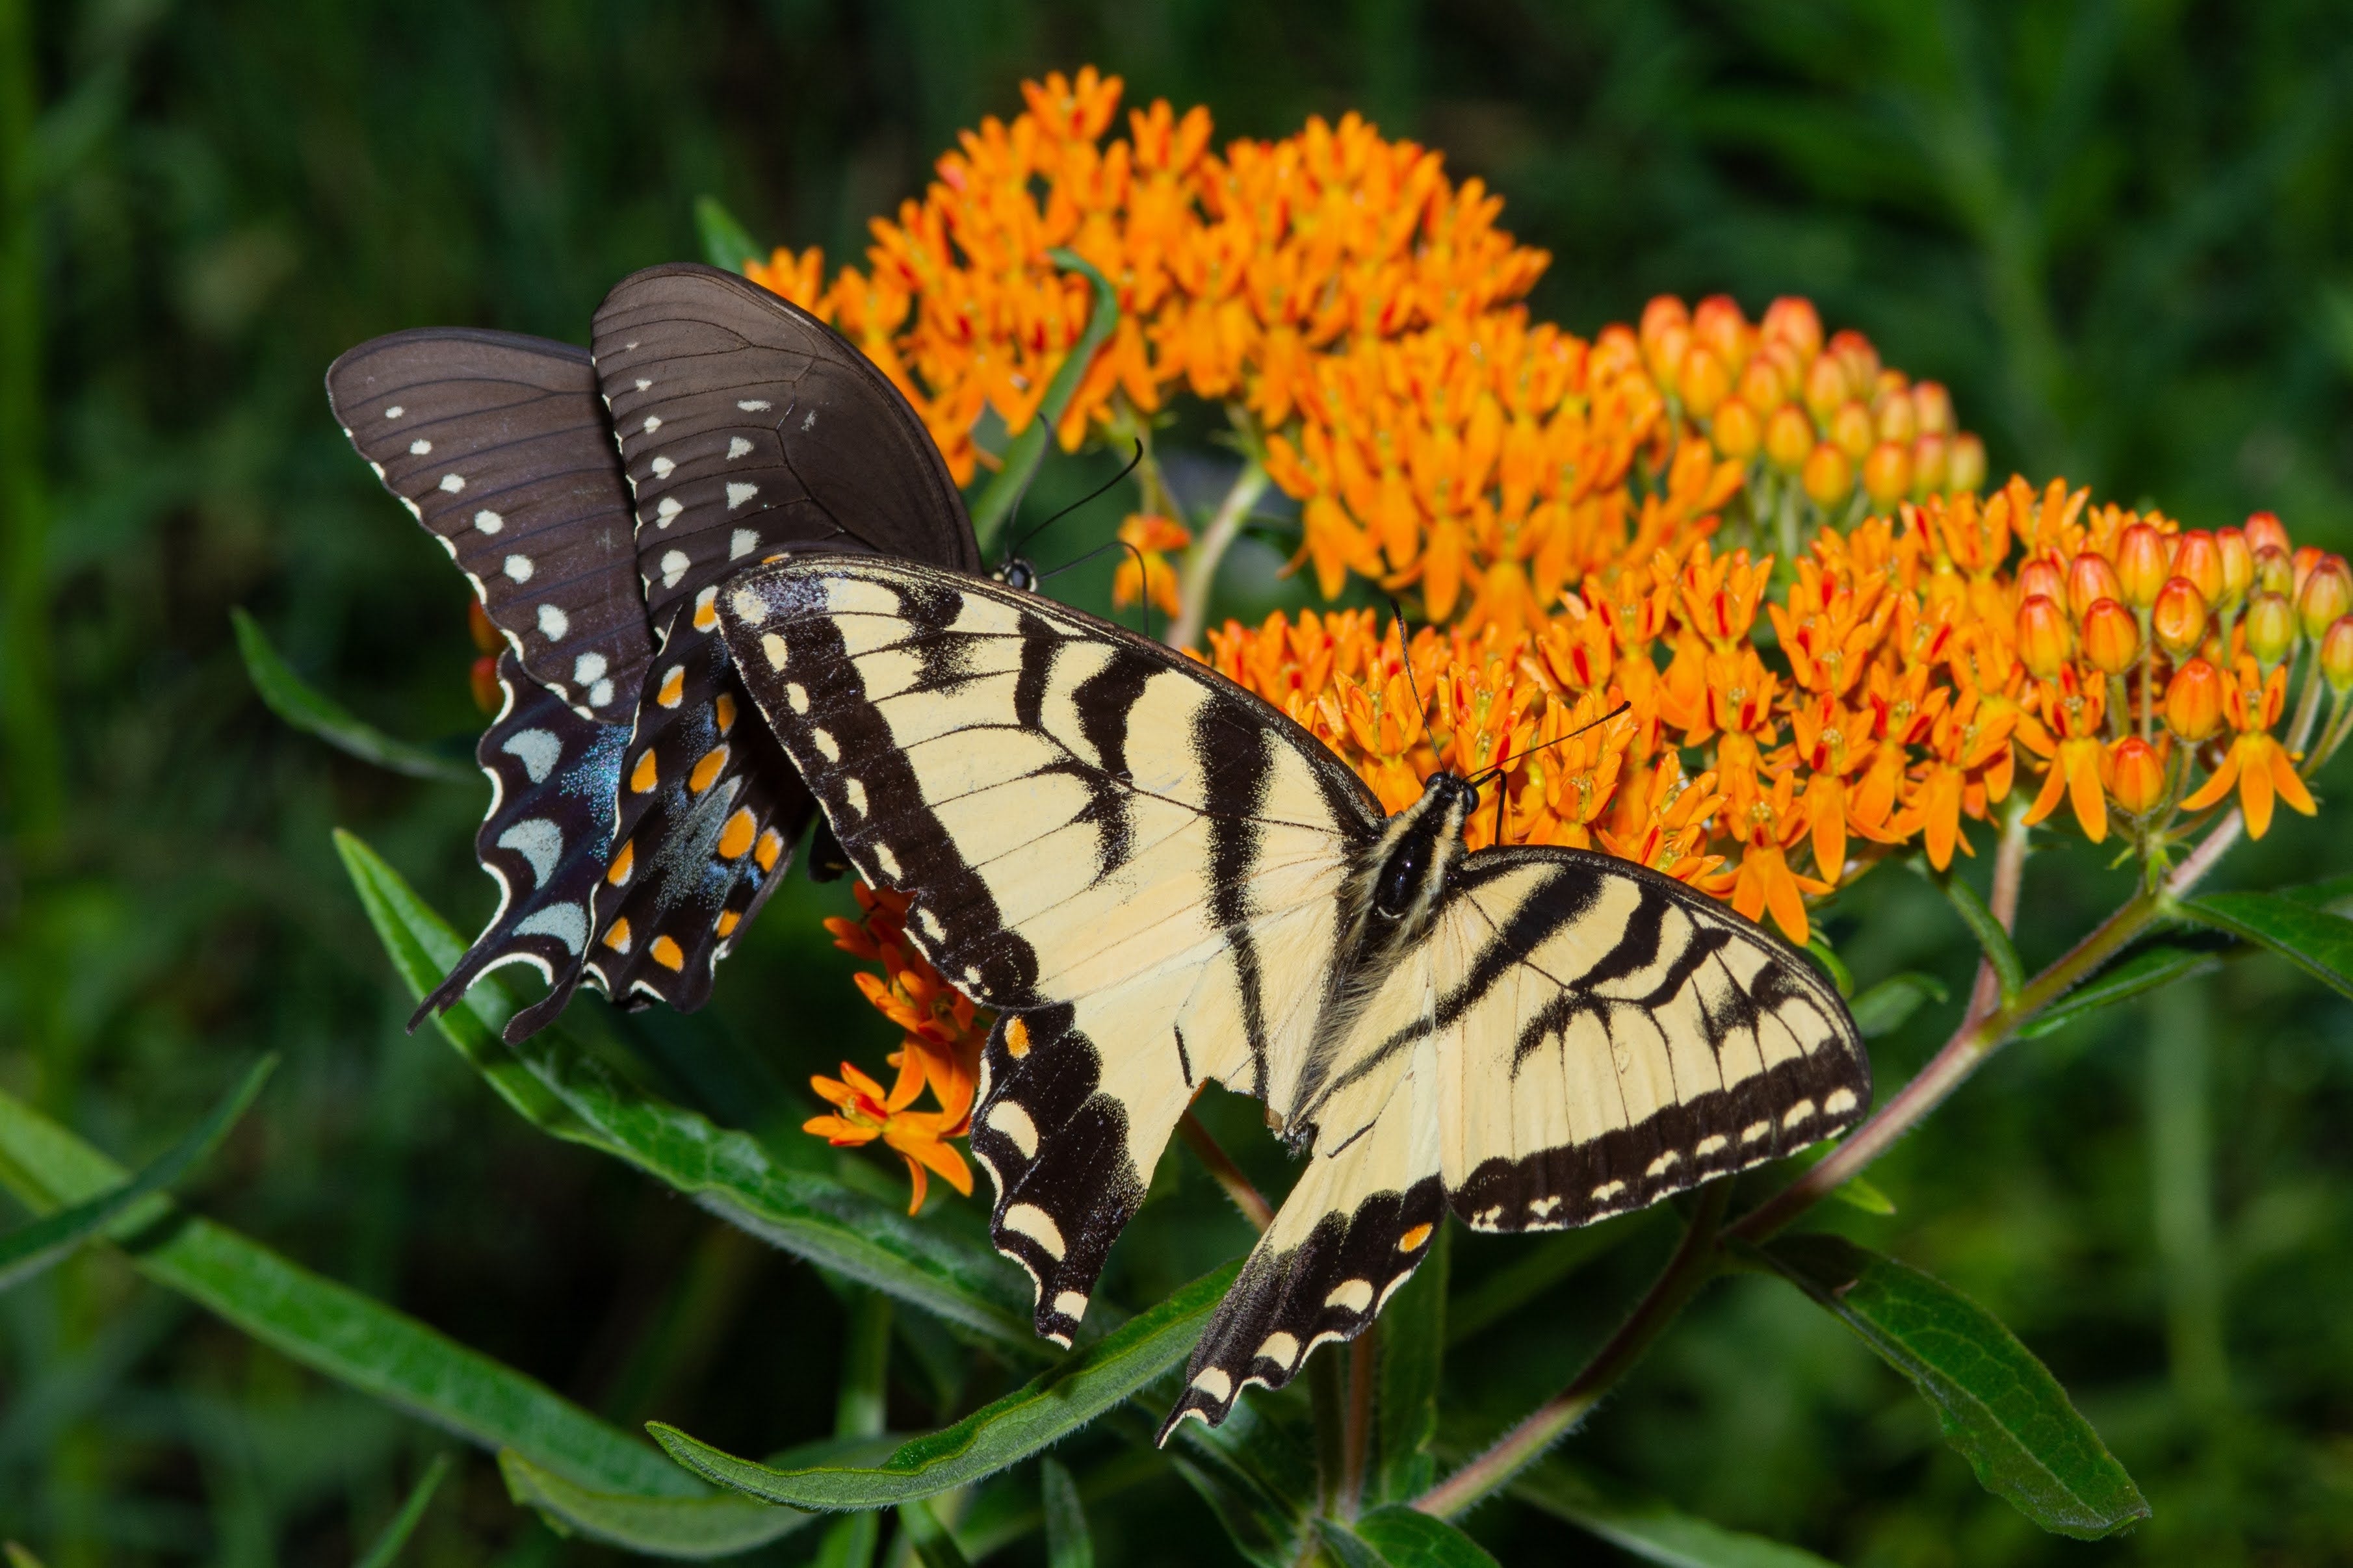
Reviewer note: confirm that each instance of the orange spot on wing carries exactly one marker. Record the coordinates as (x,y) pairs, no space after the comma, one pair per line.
(772,844)
(645,776)
(724,712)
(673,687)
(623,863)
(1017,1037)
(666,953)
(1413,1238)
(728,920)
(617,936)
(706,610)
(736,837)
(706,772)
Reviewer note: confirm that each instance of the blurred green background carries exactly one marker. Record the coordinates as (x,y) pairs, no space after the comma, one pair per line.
(2120,232)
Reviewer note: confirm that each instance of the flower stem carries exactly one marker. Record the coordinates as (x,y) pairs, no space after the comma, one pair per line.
(1356,1436)
(1695,1263)
(1227,1174)
(2009,874)
(1201,564)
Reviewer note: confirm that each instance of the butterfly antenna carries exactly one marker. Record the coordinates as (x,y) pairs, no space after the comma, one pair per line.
(1405,658)
(1485,773)
(1015,548)
(1101,549)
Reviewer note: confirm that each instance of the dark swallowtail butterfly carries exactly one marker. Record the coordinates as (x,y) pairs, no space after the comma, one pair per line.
(639,813)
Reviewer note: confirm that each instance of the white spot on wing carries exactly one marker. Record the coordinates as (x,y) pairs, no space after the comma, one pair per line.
(1071,1304)
(773,647)
(742,542)
(601,694)
(1218,1384)
(453,483)
(567,923)
(1014,1123)
(588,668)
(663,468)
(538,841)
(673,567)
(419,447)
(754,405)
(738,493)
(738,448)
(518,568)
(643,385)
(1029,1220)
(553,623)
(1799,1112)
(855,792)
(1838,1103)
(667,512)
(394,412)
(1351,1295)
(796,694)
(890,864)
(824,741)
(489,522)
(652,423)
(1281,1349)
(538,750)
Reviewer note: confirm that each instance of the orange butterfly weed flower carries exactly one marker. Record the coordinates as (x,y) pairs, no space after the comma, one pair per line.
(1144,568)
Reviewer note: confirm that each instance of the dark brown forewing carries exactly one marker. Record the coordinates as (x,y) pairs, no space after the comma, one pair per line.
(748,426)
(499,445)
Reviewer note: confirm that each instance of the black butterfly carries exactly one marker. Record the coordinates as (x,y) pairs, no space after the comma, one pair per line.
(639,813)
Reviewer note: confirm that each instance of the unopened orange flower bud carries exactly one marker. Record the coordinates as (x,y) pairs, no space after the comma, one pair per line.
(1830,477)
(1718,324)
(1761,386)
(1663,312)
(2336,656)
(477,625)
(2041,575)
(1887,474)
(2179,617)
(1792,320)
(1854,350)
(2327,593)
(2271,628)
(1737,431)
(2238,567)
(1701,381)
(2263,532)
(1826,388)
(2195,558)
(2274,573)
(1891,417)
(485,682)
(2140,564)
(2137,773)
(2306,558)
(2111,636)
(1929,459)
(1965,472)
(1931,409)
(2046,641)
(1666,354)
(2089,577)
(2193,701)
(1789,438)
(1850,429)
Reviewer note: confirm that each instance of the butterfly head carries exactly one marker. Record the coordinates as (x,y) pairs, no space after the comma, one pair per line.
(1017,573)
(1407,871)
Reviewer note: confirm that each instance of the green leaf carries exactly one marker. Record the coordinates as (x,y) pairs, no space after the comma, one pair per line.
(1067,1542)
(1996,1402)
(1647,1530)
(1398,1536)
(1541,1262)
(1026,451)
(1862,1192)
(2319,943)
(849,1542)
(404,1523)
(1992,938)
(1412,1350)
(930,1538)
(294,701)
(1257,1475)
(1044,1411)
(327,1327)
(725,242)
(2138,972)
(1831,963)
(2325,894)
(691,1527)
(557,1085)
(29,1249)
(1882,1009)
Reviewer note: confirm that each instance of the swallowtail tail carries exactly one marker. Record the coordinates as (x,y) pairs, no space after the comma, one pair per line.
(1157,879)
(596,498)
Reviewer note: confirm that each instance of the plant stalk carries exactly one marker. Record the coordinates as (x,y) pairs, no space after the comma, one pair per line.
(1209,550)
(2008,875)
(1228,1176)
(1357,1437)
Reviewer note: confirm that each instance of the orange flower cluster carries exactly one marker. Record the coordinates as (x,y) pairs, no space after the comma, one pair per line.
(941,1051)
(1768,743)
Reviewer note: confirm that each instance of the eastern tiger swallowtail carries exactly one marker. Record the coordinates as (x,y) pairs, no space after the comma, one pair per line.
(1158,880)
(595,500)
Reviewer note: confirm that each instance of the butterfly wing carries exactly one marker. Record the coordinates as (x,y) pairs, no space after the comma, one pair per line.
(497,443)
(1576,1036)
(547,835)
(1136,863)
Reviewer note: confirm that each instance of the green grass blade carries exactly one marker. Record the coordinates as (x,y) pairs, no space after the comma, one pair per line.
(328,1327)
(2315,941)
(934,1547)
(28,1250)
(1995,941)
(395,1534)
(725,242)
(1997,1403)
(1026,451)
(1650,1530)
(1047,1409)
(302,705)
(1069,1543)
(688,1527)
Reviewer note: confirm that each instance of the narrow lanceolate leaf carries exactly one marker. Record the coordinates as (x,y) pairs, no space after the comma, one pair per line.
(1994,941)
(1047,1409)
(2138,972)
(299,704)
(328,1327)
(1882,1008)
(1258,1476)
(386,1549)
(1997,1403)
(1412,1350)
(29,1249)
(1647,1530)
(559,1088)
(1069,1544)
(725,242)
(685,1527)
(934,1547)
(1026,451)
(1398,1537)
(2315,941)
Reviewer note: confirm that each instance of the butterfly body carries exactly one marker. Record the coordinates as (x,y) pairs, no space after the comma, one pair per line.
(1158,881)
